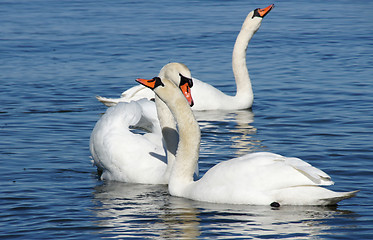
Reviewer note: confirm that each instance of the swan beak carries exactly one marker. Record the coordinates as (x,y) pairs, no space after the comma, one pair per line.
(150,83)
(265,11)
(155,82)
(186,90)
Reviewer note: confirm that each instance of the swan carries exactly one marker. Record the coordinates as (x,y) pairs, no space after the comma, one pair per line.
(260,178)
(123,155)
(206,96)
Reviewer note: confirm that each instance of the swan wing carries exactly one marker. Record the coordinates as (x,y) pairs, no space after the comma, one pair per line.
(122,154)
(316,175)
(261,172)
(273,171)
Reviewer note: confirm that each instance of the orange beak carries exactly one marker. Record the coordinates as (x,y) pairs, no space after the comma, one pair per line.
(151,83)
(186,90)
(265,11)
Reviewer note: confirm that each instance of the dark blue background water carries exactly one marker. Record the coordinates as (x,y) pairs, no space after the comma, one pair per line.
(311,64)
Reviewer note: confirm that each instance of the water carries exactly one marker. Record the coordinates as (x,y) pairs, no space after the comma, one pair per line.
(311,67)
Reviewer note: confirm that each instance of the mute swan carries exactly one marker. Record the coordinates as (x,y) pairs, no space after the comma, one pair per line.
(261,178)
(123,155)
(206,96)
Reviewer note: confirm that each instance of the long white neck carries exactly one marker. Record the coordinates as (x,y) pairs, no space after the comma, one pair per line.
(188,148)
(169,132)
(241,74)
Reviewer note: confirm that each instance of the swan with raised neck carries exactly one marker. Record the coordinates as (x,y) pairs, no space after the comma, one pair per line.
(206,96)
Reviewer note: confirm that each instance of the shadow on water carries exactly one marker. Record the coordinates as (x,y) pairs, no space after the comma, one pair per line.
(125,210)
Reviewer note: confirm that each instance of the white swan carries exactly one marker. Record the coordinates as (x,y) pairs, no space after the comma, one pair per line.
(258,178)
(123,155)
(207,97)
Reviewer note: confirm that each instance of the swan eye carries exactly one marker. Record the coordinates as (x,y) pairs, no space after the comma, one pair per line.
(158,82)
(184,80)
(256,13)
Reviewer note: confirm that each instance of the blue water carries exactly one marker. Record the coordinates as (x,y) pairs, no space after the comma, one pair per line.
(311,64)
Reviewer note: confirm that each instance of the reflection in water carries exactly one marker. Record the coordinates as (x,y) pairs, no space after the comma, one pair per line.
(147,211)
(129,210)
(264,222)
(234,127)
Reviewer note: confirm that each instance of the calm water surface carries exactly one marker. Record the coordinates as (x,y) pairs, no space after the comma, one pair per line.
(311,64)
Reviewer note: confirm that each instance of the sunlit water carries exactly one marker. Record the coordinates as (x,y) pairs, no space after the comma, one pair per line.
(311,64)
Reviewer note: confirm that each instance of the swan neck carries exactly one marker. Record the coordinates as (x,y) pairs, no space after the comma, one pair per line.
(188,148)
(169,133)
(240,71)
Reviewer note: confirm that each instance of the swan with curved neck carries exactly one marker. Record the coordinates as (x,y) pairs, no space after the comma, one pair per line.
(205,95)
(261,178)
(123,155)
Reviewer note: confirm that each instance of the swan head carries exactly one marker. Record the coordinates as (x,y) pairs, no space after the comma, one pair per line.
(255,17)
(262,12)
(171,76)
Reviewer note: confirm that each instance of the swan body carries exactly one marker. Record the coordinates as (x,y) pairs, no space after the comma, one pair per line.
(261,178)
(206,96)
(124,155)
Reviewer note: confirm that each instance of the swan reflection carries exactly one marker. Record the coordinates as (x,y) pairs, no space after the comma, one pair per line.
(232,130)
(148,211)
(143,210)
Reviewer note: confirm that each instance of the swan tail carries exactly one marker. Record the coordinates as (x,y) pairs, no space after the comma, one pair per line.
(310,195)
(136,93)
(133,94)
(341,196)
